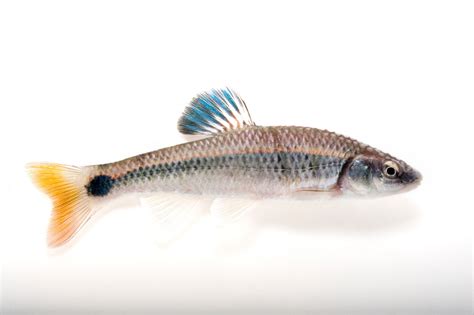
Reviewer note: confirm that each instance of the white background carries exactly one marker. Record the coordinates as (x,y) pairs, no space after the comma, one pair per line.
(89,82)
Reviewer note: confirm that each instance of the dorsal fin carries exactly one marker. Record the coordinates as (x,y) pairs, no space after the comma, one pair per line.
(216,111)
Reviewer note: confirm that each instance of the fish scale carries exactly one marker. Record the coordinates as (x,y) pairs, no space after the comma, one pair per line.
(268,160)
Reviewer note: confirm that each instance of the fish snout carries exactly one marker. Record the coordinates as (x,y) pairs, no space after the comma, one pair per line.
(411,176)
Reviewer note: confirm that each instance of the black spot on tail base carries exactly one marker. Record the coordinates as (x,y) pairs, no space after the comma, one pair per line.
(100,185)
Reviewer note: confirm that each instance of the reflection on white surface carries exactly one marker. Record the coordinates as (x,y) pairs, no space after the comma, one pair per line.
(284,256)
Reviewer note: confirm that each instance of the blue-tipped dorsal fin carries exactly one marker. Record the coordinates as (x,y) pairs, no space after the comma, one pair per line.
(219,110)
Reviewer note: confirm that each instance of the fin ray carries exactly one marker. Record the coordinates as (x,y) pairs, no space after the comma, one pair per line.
(71,208)
(230,210)
(216,111)
(172,214)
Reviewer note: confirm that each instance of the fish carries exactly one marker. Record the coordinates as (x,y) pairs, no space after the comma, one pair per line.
(235,158)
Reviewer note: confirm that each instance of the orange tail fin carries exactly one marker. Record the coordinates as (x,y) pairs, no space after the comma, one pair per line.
(71,206)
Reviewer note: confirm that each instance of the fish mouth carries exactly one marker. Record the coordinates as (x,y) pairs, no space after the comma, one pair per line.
(410,180)
(411,177)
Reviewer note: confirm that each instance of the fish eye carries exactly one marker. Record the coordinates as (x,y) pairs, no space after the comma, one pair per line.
(390,169)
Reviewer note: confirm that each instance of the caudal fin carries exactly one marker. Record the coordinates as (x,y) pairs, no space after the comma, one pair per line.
(71,206)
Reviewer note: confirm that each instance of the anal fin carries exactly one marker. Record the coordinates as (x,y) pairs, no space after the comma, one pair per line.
(173,214)
(230,210)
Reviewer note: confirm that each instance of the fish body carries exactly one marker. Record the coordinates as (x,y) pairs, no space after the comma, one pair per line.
(238,158)
(263,161)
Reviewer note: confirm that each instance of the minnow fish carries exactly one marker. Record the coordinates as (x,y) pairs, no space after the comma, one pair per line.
(238,158)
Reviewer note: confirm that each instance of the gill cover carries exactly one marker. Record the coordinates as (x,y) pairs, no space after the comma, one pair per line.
(378,174)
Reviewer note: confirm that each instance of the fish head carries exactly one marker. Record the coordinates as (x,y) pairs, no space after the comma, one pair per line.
(376,173)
